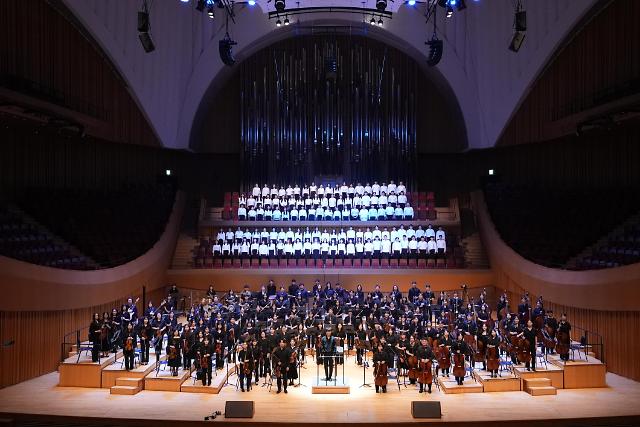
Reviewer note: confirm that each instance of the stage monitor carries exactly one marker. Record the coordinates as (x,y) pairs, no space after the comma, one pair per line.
(426,409)
(238,409)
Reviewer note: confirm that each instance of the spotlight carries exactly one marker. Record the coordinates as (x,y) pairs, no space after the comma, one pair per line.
(280,5)
(147,42)
(516,41)
(184,1)
(286,21)
(225,47)
(435,51)
(460,5)
(200,5)
(449,12)
(381,5)
(380,22)
(252,2)
(412,2)
(373,21)
(278,23)
(168,171)
(210,12)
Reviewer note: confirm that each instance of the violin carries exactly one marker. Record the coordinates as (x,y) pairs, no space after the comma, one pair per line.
(128,345)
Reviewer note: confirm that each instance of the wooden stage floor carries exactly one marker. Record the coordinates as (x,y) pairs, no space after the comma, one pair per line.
(42,396)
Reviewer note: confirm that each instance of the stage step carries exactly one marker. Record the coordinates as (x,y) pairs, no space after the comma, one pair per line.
(542,391)
(537,382)
(450,386)
(124,390)
(132,382)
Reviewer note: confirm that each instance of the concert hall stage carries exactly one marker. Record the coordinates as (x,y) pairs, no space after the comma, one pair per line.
(40,399)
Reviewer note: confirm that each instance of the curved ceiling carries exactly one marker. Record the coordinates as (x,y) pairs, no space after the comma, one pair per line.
(488,80)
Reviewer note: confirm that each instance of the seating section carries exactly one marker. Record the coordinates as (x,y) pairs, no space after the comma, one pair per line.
(30,243)
(111,227)
(340,202)
(276,247)
(549,226)
(622,249)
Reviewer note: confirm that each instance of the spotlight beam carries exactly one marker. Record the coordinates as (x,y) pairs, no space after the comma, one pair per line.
(336,9)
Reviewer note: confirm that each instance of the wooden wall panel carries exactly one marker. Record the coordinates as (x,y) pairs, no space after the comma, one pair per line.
(603,58)
(38,336)
(617,328)
(40,45)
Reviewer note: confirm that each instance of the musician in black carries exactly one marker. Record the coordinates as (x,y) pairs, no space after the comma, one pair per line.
(280,358)
(206,353)
(145,332)
(265,347)
(186,340)
(380,357)
(530,334)
(328,351)
(256,356)
(173,353)
(493,341)
(245,370)
(158,327)
(424,353)
(130,342)
(95,329)
(459,347)
(564,327)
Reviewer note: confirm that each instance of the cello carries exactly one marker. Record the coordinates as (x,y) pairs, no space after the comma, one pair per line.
(458,365)
(380,374)
(426,373)
(493,361)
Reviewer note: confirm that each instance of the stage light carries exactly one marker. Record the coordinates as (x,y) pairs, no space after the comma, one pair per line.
(381,5)
(278,23)
(168,172)
(435,51)
(460,5)
(516,41)
(147,42)
(373,21)
(412,2)
(226,53)
(286,21)
(490,171)
(449,12)
(252,2)
(200,5)
(184,1)
(210,12)
(280,5)
(380,22)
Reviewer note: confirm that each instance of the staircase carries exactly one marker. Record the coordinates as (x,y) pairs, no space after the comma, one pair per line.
(539,387)
(27,219)
(127,386)
(474,253)
(573,262)
(183,254)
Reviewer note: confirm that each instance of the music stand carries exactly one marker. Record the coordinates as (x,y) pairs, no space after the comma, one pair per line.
(365,363)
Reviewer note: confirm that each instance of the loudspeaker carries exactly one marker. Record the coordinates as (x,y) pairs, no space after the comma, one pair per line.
(425,409)
(147,42)
(240,409)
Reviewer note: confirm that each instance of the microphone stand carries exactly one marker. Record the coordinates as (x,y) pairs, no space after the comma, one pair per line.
(233,349)
(365,364)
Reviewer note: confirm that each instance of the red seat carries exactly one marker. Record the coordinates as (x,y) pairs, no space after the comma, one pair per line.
(430,195)
(422,263)
(255,263)
(282,262)
(431,214)
(403,263)
(227,197)
(440,263)
(366,262)
(226,213)
(422,214)
(227,263)
(431,263)
(338,262)
(329,262)
(237,263)
(357,263)
(394,263)
(384,262)
(375,262)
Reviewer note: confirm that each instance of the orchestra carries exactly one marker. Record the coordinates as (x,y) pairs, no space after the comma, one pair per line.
(419,335)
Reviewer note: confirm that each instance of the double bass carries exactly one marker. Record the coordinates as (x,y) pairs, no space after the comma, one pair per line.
(564,342)
(493,360)
(443,355)
(412,364)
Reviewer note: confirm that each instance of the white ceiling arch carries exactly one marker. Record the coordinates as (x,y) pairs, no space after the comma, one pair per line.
(169,84)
